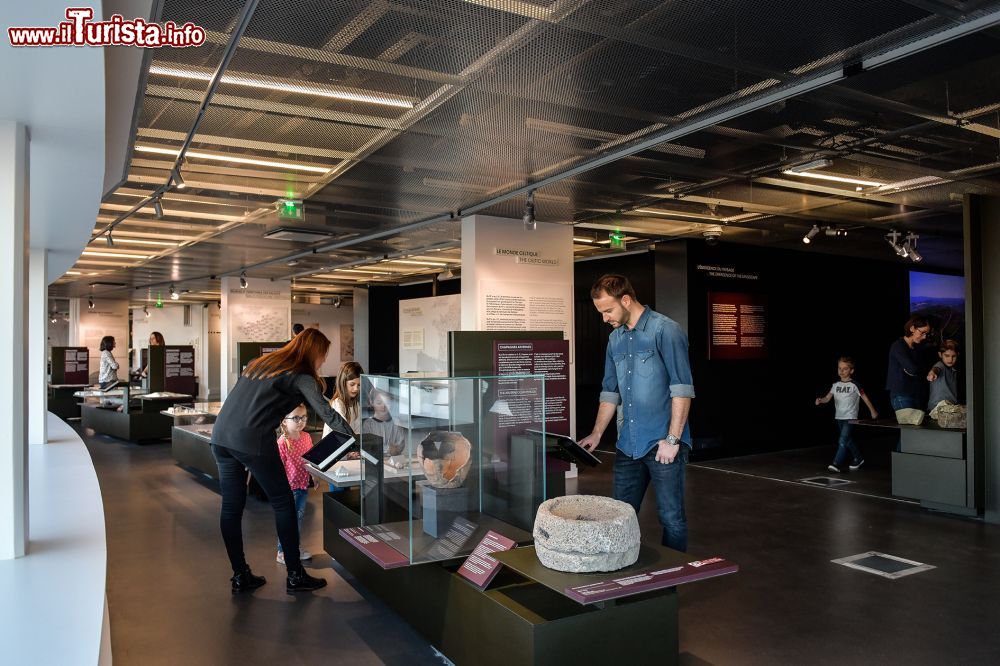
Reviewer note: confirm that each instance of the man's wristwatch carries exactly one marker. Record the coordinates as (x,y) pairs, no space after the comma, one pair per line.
(673,440)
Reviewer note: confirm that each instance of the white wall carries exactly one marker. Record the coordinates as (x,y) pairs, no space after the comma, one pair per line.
(516,279)
(423,332)
(169,320)
(87,327)
(260,313)
(329,321)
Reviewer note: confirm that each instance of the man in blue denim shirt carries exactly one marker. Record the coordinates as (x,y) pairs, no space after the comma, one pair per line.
(647,381)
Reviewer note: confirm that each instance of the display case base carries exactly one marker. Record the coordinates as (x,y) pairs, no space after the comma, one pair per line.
(515,620)
(193,449)
(134,426)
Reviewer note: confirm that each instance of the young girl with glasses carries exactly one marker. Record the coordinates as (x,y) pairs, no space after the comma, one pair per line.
(292,443)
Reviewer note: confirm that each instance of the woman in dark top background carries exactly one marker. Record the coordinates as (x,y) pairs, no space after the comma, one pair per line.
(243,439)
(904,379)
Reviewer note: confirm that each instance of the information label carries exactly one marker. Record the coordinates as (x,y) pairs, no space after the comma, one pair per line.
(737,326)
(480,568)
(178,369)
(637,582)
(373,542)
(533,357)
(76,365)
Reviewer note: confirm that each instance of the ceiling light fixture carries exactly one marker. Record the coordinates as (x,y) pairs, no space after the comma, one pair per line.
(173,293)
(837,179)
(812,233)
(337,302)
(110,240)
(243,280)
(140,241)
(90,303)
(529,212)
(416,262)
(53,319)
(175,176)
(158,209)
(299,88)
(235,159)
(145,311)
(809,166)
(578,239)
(119,255)
(911,247)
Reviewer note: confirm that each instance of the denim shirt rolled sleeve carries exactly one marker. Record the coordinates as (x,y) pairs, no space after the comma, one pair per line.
(645,368)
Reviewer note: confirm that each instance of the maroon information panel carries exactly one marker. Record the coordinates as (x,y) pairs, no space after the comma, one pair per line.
(76,365)
(646,581)
(737,326)
(534,357)
(372,541)
(479,568)
(178,369)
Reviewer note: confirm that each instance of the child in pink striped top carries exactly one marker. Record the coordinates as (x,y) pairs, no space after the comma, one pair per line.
(292,443)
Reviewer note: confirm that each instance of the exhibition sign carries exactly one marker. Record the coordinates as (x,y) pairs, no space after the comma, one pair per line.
(737,325)
(549,358)
(637,582)
(178,369)
(480,568)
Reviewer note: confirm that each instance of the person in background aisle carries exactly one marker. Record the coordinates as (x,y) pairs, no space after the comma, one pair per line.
(903,377)
(846,394)
(380,423)
(243,439)
(155,340)
(108,375)
(297,328)
(346,399)
(292,443)
(943,376)
(647,381)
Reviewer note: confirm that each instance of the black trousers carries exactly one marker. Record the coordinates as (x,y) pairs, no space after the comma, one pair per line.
(270,474)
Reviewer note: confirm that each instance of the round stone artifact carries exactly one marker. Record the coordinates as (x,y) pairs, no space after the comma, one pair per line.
(446,458)
(581,533)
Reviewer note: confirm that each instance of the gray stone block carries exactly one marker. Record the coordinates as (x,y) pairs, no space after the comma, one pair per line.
(580,533)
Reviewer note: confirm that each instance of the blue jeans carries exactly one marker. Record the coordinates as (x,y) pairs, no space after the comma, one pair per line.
(301,498)
(632,477)
(270,474)
(846,445)
(904,402)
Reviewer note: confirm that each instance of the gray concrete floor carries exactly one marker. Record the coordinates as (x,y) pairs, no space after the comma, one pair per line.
(168,588)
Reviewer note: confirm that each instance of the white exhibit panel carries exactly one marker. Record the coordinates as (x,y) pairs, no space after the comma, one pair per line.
(13,332)
(211,387)
(179,324)
(336,324)
(516,279)
(423,332)
(88,325)
(38,350)
(261,312)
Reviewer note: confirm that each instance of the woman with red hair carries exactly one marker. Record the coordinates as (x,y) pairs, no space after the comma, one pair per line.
(243,439)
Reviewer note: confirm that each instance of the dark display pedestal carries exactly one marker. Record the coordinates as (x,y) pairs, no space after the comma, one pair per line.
(191,446)
(62,403)
(516,620)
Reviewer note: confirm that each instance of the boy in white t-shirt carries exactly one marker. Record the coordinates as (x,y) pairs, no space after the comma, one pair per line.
(846,395)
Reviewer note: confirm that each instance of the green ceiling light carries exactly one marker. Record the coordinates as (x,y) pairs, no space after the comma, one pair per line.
(159,299)
(617,240)
(291,209)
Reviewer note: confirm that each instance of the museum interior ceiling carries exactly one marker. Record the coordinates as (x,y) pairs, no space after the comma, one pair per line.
(342,142)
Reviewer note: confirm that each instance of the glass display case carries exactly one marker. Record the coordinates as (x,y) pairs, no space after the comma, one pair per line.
(197,413)
(446,459)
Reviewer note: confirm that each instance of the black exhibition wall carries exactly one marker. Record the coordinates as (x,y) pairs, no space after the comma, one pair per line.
(383,313)
(819,307)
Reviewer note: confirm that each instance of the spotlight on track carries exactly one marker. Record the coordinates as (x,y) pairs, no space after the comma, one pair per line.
(158,209)
(812,233)
(173,293)
(529,213)
(175,176)
(243,280)
(110,241)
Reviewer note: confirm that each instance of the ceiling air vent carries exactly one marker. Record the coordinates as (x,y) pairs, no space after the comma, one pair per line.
(297,234)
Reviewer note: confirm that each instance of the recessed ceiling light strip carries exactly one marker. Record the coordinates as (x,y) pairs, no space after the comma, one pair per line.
(175,179)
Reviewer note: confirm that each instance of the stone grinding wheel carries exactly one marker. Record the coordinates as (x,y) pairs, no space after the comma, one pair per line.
(580,533)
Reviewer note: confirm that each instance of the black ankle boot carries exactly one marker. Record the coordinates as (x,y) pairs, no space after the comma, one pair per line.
(300,581)
(245,580)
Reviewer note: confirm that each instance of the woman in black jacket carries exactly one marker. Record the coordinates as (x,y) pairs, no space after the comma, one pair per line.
(243,439)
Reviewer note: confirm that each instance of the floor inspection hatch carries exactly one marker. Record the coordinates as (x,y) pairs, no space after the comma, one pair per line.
(880,564)
(827,481)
